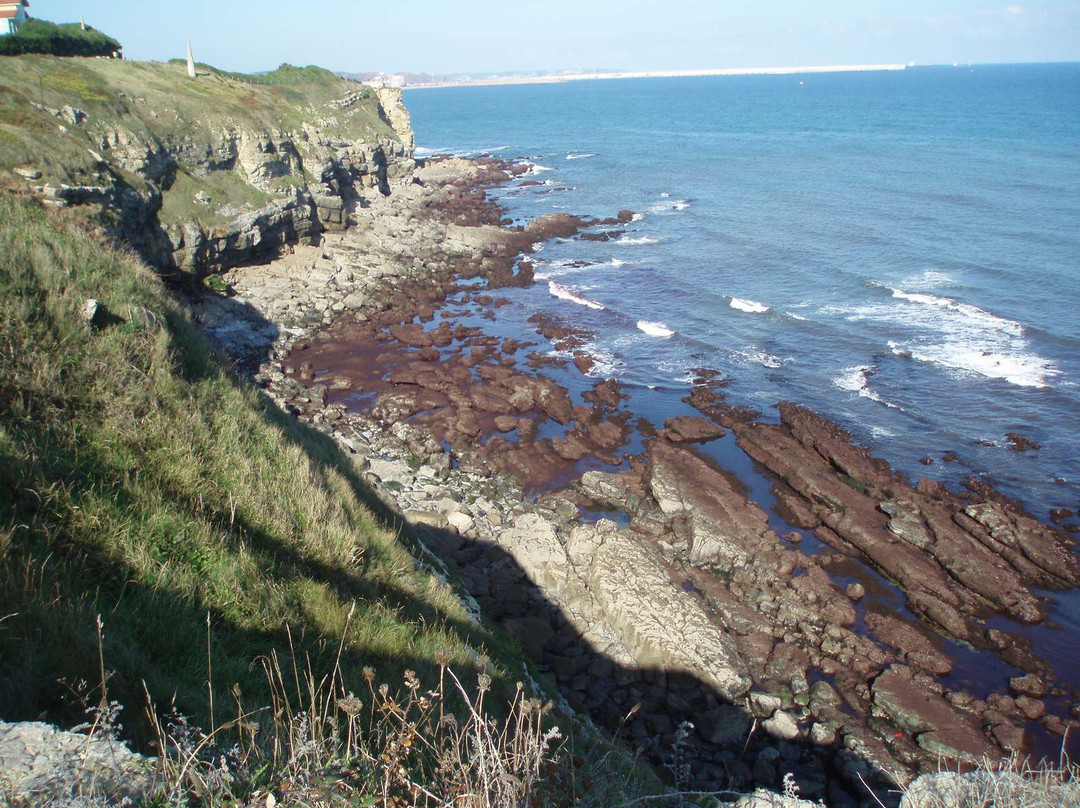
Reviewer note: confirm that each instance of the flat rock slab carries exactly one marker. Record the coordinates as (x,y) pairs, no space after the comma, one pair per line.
(938,727)
(40,764)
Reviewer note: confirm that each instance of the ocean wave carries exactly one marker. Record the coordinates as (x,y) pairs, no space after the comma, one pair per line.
(637,242)
(545,270)
(857,380)
(535,169)
(929,279)
(956,336)
(424,151)
(582,156)
(759,357)
(637,217)
(749,306)
(654,329)
(605,364)
(1022,370)
(670,206)
(971,313)
(563,293)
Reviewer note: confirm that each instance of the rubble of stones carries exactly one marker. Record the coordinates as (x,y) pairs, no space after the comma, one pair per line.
(695,615)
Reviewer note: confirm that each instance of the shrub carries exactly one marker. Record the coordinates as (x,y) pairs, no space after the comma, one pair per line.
(69,39)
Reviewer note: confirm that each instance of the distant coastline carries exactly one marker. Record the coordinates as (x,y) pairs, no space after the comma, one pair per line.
(559,78)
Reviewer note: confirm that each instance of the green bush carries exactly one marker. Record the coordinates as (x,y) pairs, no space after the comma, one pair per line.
(69,39)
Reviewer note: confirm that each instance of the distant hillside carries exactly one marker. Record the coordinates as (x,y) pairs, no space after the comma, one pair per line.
(68,39)
(198,175)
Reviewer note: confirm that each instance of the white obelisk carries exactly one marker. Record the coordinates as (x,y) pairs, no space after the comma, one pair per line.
(190,62)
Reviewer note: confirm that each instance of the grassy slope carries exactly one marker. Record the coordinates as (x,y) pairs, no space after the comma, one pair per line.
(66,39)
(142,482)
(158,104)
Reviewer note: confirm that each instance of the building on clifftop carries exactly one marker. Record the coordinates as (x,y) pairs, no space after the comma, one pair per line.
(13,15)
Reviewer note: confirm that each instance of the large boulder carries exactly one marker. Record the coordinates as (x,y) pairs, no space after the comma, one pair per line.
(42,765)
(953,790)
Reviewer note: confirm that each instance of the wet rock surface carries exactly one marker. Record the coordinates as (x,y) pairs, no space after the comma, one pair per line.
(694,621)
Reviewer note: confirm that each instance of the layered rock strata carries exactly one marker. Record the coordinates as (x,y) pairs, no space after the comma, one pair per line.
(694,625)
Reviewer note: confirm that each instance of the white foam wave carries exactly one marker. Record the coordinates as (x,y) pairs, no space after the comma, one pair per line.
(563,293)
(749,306)
(536,168)
(758,357)
(670,206)
(929,279)
(959,337)
(857,380)
(637,217)
(637,242)
(973,340)
(605,364)
(654,329)
(618,262)
(582,156)
(665,195)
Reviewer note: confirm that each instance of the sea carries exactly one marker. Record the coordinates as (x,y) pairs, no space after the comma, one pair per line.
(898,251)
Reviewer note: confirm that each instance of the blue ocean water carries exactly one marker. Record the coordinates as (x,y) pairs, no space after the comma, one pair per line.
(898,251)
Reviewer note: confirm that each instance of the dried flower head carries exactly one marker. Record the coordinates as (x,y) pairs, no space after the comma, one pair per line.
(369,674)
(350,705)
(483,682)
(442,657)
(411,681)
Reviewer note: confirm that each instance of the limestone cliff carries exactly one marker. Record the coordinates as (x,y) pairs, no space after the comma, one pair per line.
(201,175)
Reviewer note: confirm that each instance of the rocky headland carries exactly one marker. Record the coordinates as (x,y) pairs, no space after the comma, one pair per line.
(737,642)
(687,608)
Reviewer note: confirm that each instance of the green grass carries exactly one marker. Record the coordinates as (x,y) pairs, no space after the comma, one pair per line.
(227,191)
(229,554)
(141,482)
(67,39)
(155,107)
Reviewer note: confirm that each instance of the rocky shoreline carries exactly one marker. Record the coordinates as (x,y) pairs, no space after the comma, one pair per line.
(810,637)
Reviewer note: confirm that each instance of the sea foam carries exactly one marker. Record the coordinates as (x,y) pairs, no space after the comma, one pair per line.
(959,337)
(654,329)
(563,293)
(857,380)
(749,306)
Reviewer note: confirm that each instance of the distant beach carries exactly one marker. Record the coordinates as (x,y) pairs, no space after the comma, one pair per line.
(558,78)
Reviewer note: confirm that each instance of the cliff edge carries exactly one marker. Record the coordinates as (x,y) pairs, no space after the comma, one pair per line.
(205,174)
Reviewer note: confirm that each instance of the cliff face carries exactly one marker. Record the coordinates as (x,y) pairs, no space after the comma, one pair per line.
(201,175)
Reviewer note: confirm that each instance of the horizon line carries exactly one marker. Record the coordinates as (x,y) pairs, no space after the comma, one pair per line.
(559,77)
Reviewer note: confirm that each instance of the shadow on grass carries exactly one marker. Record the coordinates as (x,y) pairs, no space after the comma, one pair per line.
(53,586)
(725,748)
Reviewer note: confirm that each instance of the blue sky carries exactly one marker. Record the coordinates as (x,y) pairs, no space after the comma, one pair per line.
(451,37)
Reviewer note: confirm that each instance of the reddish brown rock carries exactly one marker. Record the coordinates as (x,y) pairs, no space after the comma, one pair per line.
(1019,443)
(689,428)
(910,644)
(938,727)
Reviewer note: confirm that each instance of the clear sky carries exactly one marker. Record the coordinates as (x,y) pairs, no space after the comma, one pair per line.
(444,36)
